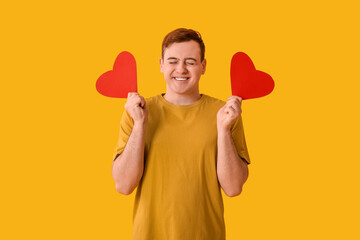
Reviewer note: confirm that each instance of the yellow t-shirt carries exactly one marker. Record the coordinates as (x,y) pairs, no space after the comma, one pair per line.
(179,196)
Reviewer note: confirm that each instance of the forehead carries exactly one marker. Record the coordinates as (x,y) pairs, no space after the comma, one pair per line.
(189,49)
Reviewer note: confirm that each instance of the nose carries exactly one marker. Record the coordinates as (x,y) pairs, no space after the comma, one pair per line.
(181,68)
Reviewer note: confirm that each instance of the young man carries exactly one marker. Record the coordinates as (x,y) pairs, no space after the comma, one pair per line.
(179,149)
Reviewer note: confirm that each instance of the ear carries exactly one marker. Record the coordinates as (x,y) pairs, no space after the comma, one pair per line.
(203,64)
(161,62)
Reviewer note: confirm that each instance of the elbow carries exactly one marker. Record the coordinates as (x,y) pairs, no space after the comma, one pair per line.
(232,189)
(233,192)
(123,189)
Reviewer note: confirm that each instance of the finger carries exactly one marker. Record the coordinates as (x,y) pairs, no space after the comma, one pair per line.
(236,106)
(236,100)
(234,109)
(142,102)
(235,97)
(136,100)
(237,110)
(134,97)
(130,94)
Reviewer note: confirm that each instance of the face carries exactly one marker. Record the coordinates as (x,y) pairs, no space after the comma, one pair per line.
(182,68)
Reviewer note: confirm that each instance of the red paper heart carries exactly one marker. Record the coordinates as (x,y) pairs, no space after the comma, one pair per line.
(121,80)
(246,81)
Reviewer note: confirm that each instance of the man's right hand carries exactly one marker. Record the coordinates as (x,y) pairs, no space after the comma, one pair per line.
(128,167)
(136,107)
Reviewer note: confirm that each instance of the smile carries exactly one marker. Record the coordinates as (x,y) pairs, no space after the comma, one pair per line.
(181,78)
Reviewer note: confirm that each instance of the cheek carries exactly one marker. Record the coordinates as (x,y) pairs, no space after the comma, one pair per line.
(168,70)
(197,72)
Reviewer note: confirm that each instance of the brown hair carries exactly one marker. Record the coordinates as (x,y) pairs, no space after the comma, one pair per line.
(183,35)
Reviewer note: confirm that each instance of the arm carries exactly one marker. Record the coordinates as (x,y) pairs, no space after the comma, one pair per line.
(127,168)
(232,171)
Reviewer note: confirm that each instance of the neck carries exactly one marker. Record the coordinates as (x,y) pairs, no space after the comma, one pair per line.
(179,99)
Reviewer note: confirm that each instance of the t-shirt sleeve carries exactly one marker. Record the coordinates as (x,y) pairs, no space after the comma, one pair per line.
(238,136)
(126,125)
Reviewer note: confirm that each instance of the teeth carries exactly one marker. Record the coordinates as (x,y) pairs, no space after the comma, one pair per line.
(181,79)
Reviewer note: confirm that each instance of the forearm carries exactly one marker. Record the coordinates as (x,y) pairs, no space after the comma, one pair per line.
(128,167)
(232,171)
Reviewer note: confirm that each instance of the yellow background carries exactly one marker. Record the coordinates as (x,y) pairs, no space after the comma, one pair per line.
(58,134)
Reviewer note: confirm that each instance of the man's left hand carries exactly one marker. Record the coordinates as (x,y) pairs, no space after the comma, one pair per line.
(227,115)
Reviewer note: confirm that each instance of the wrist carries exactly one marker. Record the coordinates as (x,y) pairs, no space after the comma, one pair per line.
(223,130)
(140,124)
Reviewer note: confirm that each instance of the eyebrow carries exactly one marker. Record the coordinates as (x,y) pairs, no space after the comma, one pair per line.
(174,58)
